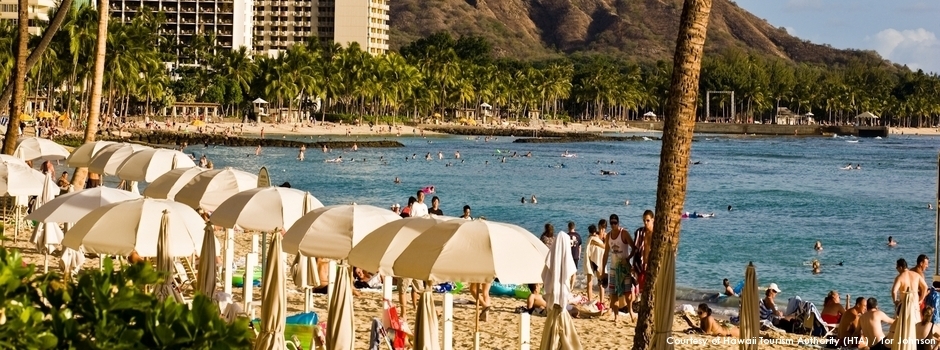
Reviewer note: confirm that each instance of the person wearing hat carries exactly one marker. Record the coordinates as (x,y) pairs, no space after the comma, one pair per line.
(396,208)
(769,304)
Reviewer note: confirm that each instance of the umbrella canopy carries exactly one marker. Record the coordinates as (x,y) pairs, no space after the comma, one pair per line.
(6,158)
(441,253)
(264,209)
(273,300)
(331,232)
(208,189)
(665,303)
(340,324)
(206,279)
(558,267)
(165,266)
(20,180)
(426,335)
(905,335)
(123,227)
(82,155)
(750,313)
(33,148)
(73,206)
(167,185)
(378,251)
(147,165)
(259,100)
(649,114)
(107,160)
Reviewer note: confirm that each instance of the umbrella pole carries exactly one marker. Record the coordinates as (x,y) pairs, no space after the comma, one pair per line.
(476,326)
(264,254)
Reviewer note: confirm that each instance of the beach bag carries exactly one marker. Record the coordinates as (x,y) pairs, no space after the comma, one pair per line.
(393,322)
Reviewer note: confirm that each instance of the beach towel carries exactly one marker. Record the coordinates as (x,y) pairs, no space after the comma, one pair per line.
(594,255)
(376,334)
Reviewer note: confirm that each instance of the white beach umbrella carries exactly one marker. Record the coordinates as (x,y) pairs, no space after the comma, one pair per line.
(264,209)
(123,227)
(108,159)
(19,180)
(46,235)
(37,148)
(559,331)
(6,158)
(71,207)
(331,232)
(208,189)
(82,155)
(273,301)
(378,251)
(167,185)
(147,165)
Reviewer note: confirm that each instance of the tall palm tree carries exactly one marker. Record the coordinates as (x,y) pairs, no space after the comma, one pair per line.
(674,158)
(94,112)
(19,78)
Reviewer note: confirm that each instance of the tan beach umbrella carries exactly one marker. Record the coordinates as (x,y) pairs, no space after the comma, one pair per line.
(750,313)
(123,227)
(273,301)
(208,189)
(378,251)
(37,148)
(264,209)
(665,303)
(19,180)
(905,335)
(6,158)
(147,165)
(206,278)
(558,267)
(71,207)
(340,324)
(427,336)
(164,289)
(46,235)
(108,159)
(82,155)
(331,232)
(167,185)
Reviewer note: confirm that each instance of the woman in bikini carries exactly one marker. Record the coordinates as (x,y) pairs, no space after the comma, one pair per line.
(619,248)
(708,325)
(927,333)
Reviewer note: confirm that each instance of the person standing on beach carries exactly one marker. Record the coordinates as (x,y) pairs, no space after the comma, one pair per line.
(643,237)
(435,206)
(619,248)
(419,209)
(548,236)
(466,213)
(575,248)
(594,257)
(907,280)
(406,211)
(921,267)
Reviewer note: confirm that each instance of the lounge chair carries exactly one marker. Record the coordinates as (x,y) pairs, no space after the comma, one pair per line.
(392,323)
(814,324)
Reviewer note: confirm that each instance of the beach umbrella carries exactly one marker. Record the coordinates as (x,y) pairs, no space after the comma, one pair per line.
(273,301)
(206,278)
(167,185)
(108,159)
(46,235)
(905,335)
(665,303)
(208,189)
(123,227)
(147,165)
(340,324)
(331,232)
(165,264)
(37,148)
(6,158)
(427,335)
(82,155)
(558,267)
(750,313)
(19,180)
(378,251)
(264,208)
(71,207)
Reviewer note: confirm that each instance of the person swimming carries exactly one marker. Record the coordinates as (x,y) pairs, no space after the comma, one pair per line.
(397,180)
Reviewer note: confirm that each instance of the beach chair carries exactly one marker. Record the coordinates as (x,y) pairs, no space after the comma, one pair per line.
(182,278)
(814,325)
(400,335)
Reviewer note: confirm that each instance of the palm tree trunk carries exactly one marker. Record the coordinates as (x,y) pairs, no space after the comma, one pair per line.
(78,178)
(674,158)
(19,81)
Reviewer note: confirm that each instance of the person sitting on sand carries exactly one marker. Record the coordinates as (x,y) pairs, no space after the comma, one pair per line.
(871,326)
(848,325)
(927,333)
(728,290)
(832,310)
(535,304)
(708,325)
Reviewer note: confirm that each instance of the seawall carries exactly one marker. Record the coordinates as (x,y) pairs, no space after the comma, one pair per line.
(164,138)
(772,129)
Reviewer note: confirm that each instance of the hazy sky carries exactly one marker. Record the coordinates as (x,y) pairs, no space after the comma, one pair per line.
(903,31)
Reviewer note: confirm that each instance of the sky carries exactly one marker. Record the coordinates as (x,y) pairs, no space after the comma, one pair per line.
(902,31)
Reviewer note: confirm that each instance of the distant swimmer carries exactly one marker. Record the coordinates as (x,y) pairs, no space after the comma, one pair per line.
(440,155)
(534,200)
(609,172)
(697,163)
(626,202)
(457,155)
(818,246)
(428,190)
(892,242)
(258,150)
(528,154)
(816,267)
(929,206)
(730,208)
(335,160)
(841,263)
(300,155)
(397,180)
(523,200)
(858,167)
(355,147)
(325,149)
(427,156)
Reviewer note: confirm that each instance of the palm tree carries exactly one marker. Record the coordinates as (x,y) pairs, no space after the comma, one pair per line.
(91,127)
(19,78)
(674,158)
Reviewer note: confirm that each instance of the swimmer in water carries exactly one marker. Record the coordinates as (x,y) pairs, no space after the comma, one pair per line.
(818,246)
(534,200)
(397,180)
(523,200)
(258,150)
(816,269)
(892,242)
(729,208)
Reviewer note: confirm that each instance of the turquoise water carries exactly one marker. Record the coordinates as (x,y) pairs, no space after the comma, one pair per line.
(787,192)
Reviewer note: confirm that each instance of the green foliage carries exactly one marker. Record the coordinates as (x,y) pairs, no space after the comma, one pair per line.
(104,309)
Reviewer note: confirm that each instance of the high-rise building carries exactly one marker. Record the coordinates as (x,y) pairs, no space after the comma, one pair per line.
(229,20)
(361,21)
(38,12)
(278,24)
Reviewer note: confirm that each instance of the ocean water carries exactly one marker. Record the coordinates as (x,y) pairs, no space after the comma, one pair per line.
(787,192)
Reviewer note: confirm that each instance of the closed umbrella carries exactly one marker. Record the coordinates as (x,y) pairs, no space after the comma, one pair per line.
(147,165)
(123,227)
(750,313)
(264,209)
(108,159)
(905,335)
(665,303)
(273,301)
(46,235)
(559,332)
(71,207)
(167,185)
(206,278)
(340,324)
(427,335)
(82,155)
(208,189)
(378,251)
(331,232)
(165,264)
(37,148)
